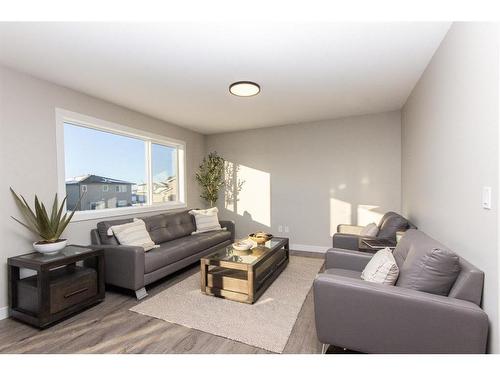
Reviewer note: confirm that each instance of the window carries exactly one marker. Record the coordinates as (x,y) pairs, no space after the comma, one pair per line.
(164,170)
(121,188)
(138,171)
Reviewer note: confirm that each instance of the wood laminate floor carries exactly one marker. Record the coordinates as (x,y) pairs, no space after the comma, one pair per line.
(110,327)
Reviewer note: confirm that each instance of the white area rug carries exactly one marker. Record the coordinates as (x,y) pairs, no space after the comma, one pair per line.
(266,324)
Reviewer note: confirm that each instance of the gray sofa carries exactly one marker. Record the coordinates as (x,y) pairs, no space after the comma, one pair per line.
(348,236)
(375,318)
(131,268)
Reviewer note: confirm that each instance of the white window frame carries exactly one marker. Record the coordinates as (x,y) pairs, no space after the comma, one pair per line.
(105,188)
(63,116)
(84,187)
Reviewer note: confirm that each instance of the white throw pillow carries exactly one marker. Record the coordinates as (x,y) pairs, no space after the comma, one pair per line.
(371,230)
(382,268)
(133,234)
(206,220)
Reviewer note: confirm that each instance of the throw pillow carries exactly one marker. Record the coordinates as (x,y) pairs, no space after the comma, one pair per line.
(432,271)
(370,230)
(382,268)
(134,234)
(206,220)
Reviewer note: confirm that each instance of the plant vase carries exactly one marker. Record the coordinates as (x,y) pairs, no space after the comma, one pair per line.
(49,248)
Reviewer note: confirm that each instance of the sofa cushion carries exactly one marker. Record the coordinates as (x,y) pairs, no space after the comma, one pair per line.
(370,230)
(209,239)
(180,248)
(425,264)
(391,225)
(133,234)
(103,228)
(168,227)
(382,268)
(206,220)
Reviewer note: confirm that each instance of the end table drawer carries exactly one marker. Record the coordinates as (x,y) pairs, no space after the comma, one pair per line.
(68,286)
(78,290)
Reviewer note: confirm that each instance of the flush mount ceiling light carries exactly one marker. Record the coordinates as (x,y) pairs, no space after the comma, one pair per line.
(244,88)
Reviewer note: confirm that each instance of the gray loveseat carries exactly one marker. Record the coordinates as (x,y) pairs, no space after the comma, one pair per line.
(375,318)
(348,236)
(131,268)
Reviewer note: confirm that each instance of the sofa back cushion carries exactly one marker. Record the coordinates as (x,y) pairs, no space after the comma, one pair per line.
(390,223)
(169,226)
(161,228)
(385,217)
(425,264)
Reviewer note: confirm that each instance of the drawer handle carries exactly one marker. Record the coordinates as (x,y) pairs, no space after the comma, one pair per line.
(75,292)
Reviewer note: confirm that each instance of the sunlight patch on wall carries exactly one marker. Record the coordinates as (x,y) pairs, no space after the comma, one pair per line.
(229,183)
(254,198)
(340,213)
(367,215)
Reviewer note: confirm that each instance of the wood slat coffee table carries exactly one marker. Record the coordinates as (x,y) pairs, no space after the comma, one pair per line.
(244,276)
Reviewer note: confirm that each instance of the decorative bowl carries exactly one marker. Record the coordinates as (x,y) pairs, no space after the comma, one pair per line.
(50,248)
(260,237)
(243,245)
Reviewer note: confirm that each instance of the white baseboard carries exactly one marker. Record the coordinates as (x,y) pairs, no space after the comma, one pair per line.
(310,248)
(4,312)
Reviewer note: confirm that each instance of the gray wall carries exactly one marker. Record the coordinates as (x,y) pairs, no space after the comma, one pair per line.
(313,176)
(28,151)
(450,151)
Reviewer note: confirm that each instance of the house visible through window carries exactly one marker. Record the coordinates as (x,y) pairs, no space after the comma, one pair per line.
(116,170)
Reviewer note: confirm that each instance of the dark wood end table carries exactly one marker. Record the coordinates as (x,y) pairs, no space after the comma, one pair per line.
(60,287)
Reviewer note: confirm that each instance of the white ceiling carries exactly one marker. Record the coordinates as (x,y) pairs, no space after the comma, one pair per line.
(180,72)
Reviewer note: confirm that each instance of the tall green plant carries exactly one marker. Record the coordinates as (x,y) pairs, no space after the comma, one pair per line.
(38,221)
(210,176)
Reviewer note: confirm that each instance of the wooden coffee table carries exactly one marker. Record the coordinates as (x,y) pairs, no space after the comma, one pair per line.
(244,276)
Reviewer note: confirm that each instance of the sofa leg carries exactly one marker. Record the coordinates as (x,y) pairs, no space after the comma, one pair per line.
(141,293)
(324,348)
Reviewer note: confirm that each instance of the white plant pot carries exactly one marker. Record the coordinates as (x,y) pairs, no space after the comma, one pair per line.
(49,248)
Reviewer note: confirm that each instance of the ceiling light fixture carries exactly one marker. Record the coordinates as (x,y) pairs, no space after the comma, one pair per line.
(244,88)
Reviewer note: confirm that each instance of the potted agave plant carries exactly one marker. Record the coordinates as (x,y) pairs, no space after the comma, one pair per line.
(48,227)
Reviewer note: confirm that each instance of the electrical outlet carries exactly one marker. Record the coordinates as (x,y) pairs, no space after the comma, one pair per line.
(280,228)
(287,229)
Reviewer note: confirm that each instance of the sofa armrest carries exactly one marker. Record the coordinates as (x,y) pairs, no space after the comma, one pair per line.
(229,225)
(346,259)
(124,265)
(345,241)
(377,318)
(349,229)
